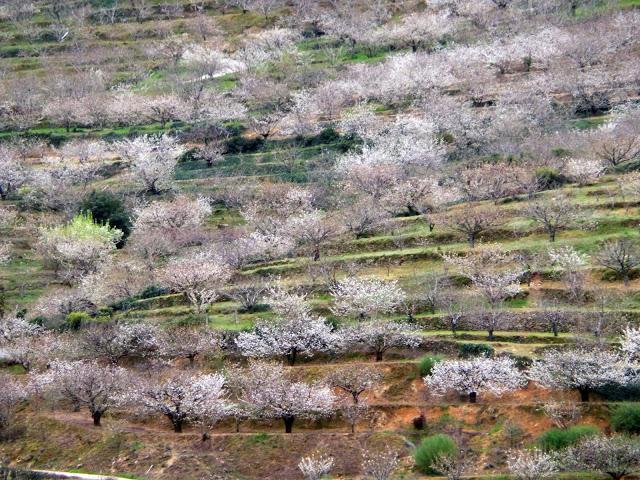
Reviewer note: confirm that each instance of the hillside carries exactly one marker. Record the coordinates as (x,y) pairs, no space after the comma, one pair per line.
(269,239)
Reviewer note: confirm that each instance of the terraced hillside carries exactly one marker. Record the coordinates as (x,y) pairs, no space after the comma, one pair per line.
(272,239)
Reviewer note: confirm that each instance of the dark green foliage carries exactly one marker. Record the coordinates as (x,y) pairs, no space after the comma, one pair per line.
(549,178)
(244,145)
(619,393)
(557,439)
(431,448)
(427,363)
(107,208)
(189,156)
(152,291)
(626,418)
(467,350)
(521,361)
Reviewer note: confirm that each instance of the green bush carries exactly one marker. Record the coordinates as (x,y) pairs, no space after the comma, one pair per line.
(431,448)
(427,363)
(549,178)
(467,350)
(107,208)
(244,145)
(74,320)
(626,418)
(557,439)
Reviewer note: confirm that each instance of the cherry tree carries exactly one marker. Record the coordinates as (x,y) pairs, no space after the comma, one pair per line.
(34,352)
(117,342)
(553,214)
(353,383)
(365,216)
(13,174)
(486,270)
(532,465)
(571,265)
(267,392)
(78,247)
(315,466)
(199,277)
(85,383)
(480,375)
(621,256)
(562,414)
(288,337)
(378,336)
(584,170)
(312,229)
(616,456)
(615,144)
(162,228)
(179,397)
(12,394)
(581,369)
(366,298)
(380,465)
(293,332)
(114,281)
(153,160)
(190,343)
(491,276)
(473,221)
(631,343)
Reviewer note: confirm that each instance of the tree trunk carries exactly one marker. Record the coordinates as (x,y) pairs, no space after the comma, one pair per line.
(379,354)
(316,254)
(625,279)
(473,397)
(96,418)
(554,329)
(490,332)
(552,236)
(291,357)
(472,240)
(288,423)
(177,424)
(584,395)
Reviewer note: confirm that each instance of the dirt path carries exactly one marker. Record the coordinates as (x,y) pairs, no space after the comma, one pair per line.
(85,476)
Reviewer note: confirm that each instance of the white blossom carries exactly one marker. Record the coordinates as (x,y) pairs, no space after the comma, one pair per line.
(480,375)
(364,298)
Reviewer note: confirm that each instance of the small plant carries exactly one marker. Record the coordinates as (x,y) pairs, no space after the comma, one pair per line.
(315,466)
(431,449)
(467,350)
(74,320)
(626,418)
(427,363)
(558,439)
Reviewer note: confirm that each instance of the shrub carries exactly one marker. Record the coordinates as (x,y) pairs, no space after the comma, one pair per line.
(106,208)
(427,363)
(549,178)
(430,449)
(153,291)
(557,439)
(626,418)
(467,350)
(74,320)
(244,145)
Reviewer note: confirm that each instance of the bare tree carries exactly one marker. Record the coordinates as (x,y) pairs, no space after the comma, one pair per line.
(379,465)
(473,221)
(621,256)
(553,214)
